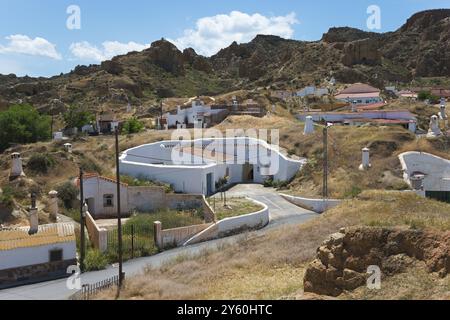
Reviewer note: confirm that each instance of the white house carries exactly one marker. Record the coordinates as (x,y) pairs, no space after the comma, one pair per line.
(360,94)
(100,194)
(380,117)
(197,114)
(312,91)
(196,166)
(45,254)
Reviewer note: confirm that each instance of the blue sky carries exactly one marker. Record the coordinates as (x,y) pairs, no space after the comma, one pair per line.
(35,40)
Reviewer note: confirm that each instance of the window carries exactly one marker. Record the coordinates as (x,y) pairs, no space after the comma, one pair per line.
(56,255)
(108,200)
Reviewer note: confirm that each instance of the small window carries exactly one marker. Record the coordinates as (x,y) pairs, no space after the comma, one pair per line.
(56,255)
(108,200)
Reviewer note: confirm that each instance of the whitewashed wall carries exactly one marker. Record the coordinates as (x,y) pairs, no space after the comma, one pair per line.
(143,161)
(29,256)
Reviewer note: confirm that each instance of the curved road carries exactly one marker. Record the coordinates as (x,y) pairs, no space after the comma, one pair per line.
(281,213)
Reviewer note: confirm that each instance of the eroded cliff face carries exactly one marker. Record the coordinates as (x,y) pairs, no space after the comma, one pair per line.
(343,260)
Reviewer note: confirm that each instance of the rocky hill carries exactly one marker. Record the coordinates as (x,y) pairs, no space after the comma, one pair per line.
(420,48)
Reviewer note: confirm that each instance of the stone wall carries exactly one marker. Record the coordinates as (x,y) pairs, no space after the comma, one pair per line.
(342,260)
(35,273)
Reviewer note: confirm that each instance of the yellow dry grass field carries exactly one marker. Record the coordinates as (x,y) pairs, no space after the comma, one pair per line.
(271,265)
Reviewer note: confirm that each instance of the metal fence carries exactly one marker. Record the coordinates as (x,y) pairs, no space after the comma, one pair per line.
(89,290)
(137,241)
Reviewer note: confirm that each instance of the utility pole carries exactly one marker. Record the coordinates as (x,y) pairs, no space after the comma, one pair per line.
(82,222)
(325,163)
(119,218)
(51,128)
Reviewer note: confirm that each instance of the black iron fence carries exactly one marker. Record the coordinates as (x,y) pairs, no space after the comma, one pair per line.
(137,241)
(89,290)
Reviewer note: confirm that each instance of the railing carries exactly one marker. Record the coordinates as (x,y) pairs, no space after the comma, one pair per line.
(137,241)
(89,290)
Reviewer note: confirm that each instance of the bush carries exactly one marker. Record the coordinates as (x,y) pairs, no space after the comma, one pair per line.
(23,124)
(7,196)
(90,165)
(68,193)
(95,260)
(426,95)
(353,192)
(41,163)
(76,118)
(132,126)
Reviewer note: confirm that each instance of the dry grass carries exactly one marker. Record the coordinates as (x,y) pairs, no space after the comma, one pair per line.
(234,207)
(414,284)
(271,265)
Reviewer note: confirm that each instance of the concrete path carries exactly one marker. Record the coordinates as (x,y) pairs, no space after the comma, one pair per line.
(281,213)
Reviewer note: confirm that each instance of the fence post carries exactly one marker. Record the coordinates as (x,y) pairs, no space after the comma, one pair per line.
(157,234)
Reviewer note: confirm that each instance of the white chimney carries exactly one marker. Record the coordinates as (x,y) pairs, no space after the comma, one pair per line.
(33,216)
(365,159)
(68,147)
(434,129)
(53,204)
(309,125)
(16,168)
(442,113)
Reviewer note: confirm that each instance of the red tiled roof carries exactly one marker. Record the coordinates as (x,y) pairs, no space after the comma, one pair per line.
(87,176)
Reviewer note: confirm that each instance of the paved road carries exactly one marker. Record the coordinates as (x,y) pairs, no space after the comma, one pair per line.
(281,213)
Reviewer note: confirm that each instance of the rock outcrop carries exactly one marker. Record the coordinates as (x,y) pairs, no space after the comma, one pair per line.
(342,260)
(362,52)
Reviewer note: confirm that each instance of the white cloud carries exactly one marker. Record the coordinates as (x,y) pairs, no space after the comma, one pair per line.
(86,51)
(214,33)
(22,44)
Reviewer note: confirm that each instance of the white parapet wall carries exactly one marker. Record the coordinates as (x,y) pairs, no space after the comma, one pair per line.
(234,225)
(241,159)
(316,205)
(436,170)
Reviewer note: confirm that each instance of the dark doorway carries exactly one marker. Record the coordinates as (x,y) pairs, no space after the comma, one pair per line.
(209,184)
(248,173)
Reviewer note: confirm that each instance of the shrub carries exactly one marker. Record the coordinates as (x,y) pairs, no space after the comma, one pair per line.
(132,126)
(41,163)
(76,118)
(353,192)
(427,95)
(22,124)
(68,193)
(7,196)
(90,165)
(95,260)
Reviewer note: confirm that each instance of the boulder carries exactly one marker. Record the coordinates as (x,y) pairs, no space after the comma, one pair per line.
(343,259)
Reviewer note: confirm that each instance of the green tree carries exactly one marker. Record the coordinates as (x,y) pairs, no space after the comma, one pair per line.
(132,125)
(76,118)
(23,124)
